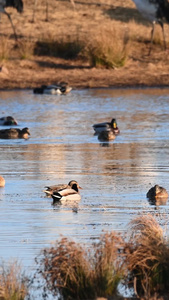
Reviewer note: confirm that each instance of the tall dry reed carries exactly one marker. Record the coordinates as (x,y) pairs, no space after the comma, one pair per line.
(76,272)
(108,48)
(13,283)
(147,257)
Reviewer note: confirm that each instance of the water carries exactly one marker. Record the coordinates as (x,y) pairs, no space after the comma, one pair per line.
(115,177)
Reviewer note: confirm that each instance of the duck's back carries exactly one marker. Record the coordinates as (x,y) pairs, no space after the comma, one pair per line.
(55,188)
(11,133)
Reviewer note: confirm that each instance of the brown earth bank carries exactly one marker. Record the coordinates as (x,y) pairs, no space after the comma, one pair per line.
(87,17)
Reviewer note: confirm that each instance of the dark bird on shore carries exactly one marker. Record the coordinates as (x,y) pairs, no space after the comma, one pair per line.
(18,4)
(14,133)
(155,11)
(8,121)
(106,126)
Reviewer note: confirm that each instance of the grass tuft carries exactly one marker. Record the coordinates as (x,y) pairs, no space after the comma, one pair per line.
(5,48)
(78,273)
(13,284)
(26,48)
(109,48)
(147,257)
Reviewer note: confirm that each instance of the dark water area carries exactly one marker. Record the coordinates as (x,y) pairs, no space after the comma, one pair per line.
(115,177)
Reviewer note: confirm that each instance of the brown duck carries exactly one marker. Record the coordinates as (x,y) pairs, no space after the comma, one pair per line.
(157,192)
(14,133)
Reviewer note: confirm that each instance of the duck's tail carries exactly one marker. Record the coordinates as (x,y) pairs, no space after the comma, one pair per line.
(56,197)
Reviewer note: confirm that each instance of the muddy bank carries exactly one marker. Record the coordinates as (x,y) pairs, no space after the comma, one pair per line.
(32,73)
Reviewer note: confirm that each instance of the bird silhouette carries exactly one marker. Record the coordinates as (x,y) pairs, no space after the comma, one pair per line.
(155,11)
(18,4)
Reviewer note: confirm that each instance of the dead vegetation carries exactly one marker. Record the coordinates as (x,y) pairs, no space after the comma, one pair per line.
(93,44)
(140,261)
(13,283)
(78,273)
(147,258)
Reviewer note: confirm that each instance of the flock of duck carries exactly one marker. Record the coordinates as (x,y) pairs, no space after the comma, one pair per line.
(105,131)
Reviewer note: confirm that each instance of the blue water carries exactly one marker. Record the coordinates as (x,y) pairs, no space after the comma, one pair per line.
(115,177)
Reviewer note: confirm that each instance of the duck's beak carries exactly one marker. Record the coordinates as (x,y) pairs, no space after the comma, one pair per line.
(80,188)
(15,123)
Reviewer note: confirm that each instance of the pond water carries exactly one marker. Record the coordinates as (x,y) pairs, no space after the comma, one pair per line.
(115,177)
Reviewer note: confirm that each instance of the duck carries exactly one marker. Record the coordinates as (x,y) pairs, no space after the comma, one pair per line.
(106,126)
(58,89)
(157,192)
(60,192)
(2,181)
(105,136)
(8,121)
(14,133)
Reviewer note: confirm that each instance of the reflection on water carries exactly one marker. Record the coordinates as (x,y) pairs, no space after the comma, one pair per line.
(115,176)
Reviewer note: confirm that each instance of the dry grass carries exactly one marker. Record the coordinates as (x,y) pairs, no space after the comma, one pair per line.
(147,257)
(12,282)
(26,48)
(70,31)
(108,48)
(5,48)
(78,273)
(71,271)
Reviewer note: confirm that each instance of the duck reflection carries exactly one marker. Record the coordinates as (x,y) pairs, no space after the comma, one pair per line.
(106,136)
(157,195)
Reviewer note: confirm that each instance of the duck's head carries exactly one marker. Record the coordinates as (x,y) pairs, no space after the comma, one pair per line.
(10,121)
(114,123)
(25,132)
(74,185)
(157,188)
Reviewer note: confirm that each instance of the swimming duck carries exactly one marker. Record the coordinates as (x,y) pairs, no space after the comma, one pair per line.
(14,133)
(105,136)
(2,181)
(58,89)
(106,126)
(68,191)
(58,187)
(157,192)
(8,121)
